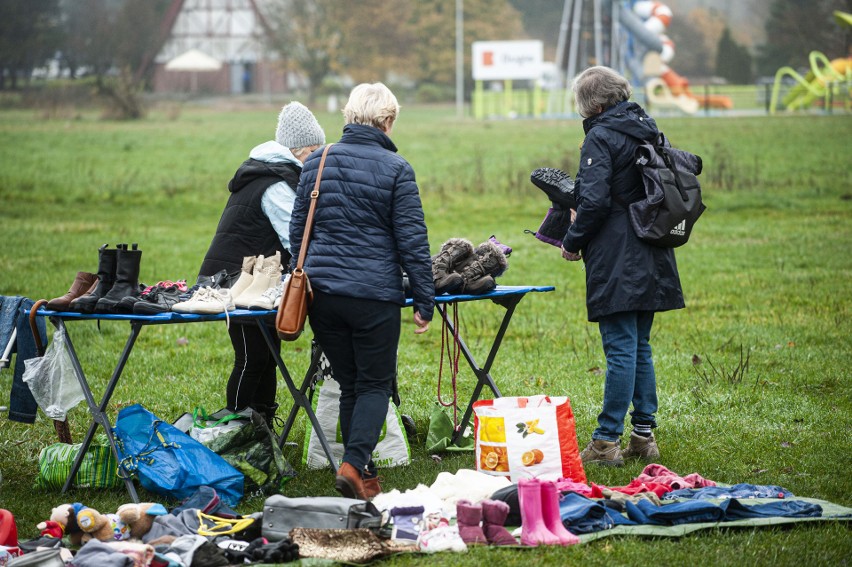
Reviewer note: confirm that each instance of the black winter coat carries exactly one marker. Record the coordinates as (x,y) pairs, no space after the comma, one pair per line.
(369,224)
(622,272)
(244,229)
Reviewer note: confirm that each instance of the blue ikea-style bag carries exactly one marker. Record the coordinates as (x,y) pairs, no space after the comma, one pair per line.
(167,461)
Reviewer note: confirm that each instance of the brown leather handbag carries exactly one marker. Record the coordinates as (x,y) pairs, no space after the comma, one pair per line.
(290,320)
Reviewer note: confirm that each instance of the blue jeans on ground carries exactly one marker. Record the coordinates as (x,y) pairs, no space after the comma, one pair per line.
(629,373)
(360,338)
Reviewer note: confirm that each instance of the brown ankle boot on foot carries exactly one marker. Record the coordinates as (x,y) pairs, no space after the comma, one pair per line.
(601,452)
(349,482)
(641,447)
(372,488)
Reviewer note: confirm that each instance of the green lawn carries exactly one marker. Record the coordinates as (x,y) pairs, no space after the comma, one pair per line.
(767,279)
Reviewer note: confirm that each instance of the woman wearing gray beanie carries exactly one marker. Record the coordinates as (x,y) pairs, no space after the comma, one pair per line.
(255,223)
(368,228)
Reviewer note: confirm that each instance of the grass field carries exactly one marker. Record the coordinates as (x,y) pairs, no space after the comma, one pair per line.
(767,279)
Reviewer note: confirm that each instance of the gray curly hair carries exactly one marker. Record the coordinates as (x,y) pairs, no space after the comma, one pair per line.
(598,88)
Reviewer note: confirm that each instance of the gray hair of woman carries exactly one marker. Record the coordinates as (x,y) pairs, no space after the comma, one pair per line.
(371,104)
(599,88)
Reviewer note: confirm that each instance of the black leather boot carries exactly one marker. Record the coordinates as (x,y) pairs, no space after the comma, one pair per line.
(126,279)
(106,278)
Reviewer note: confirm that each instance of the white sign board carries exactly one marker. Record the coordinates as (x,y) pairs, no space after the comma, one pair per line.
(499,60)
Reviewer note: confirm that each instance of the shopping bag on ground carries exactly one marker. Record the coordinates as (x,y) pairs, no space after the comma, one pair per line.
(245,441)
(439,437)
(527,437)
(391,451)
(167,461)
(97,469)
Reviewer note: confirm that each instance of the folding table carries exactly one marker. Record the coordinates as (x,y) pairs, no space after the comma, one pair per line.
(137,323)
(505,296)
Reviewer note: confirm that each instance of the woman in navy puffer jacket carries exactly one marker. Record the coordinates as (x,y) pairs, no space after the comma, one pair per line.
(627,280)
(368,228)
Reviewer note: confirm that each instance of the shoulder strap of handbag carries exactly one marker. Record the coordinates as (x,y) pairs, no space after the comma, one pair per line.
(309,220)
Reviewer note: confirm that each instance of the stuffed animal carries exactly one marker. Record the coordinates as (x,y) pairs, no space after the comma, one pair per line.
(103,527)
(63,521)
(138,518)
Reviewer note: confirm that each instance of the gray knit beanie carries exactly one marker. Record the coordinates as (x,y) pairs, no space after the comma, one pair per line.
(298,127)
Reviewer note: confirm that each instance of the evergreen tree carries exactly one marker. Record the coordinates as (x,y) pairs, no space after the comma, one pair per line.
(797,27)
(733,61)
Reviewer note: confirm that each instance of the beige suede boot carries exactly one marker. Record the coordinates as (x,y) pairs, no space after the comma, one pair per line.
(246,276)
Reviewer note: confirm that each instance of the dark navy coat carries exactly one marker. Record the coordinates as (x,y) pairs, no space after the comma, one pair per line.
(622,272)
(368,225)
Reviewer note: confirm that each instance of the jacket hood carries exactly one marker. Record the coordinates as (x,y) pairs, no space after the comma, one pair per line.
(266,160)
(626,117)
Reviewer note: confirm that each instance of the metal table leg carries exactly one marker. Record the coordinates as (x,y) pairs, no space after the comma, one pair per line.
(300,399)
(483,374)
(98,411)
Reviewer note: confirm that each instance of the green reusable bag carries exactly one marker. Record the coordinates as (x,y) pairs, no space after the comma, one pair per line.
(245,441)
(440,434)
(97,470)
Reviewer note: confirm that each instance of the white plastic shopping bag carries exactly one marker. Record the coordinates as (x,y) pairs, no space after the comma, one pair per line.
(51,379)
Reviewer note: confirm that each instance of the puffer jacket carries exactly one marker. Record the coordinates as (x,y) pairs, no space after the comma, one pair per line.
(369,224)
(622,272)
(244,229)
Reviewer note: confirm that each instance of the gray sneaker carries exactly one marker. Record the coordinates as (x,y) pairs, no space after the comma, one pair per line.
(644,448)
(605,453)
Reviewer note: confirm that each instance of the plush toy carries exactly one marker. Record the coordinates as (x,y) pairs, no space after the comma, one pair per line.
(138,518)
(63,521)
(103,527)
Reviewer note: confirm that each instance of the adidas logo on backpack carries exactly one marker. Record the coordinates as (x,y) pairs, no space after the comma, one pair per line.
(680,229)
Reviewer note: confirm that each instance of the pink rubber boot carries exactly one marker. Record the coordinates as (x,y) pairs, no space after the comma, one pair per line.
(551,516)
(533,530)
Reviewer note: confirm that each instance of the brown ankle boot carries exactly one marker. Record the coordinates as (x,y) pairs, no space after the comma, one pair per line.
(349,482)
(83,283)
(372,488)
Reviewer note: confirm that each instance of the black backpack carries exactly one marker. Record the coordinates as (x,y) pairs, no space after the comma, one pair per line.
(672,202)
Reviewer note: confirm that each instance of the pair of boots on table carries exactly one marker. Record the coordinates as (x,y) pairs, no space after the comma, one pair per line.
(259,286)
(104,292)
(461,268)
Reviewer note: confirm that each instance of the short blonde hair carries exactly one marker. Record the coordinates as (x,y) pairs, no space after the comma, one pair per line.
(371,104)
(598,88)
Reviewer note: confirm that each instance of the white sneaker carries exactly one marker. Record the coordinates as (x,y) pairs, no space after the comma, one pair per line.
(268,298)
(208,300)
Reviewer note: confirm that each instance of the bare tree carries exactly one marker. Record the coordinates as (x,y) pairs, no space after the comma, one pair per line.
(308,36)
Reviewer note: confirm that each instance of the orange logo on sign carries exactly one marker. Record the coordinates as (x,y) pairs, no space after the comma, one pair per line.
(488,58)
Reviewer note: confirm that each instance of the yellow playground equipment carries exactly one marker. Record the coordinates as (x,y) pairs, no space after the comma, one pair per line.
(826,82)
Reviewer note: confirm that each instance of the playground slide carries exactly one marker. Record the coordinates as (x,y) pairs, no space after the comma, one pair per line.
(672,89)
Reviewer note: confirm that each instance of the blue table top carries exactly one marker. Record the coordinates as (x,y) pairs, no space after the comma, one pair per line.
(172,317)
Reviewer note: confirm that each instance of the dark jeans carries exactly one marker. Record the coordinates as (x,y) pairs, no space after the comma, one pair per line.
(253,380)
(630,374)
(15,311)
(360,337)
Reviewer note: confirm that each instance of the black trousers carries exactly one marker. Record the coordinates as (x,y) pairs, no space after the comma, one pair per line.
(360,337)
(253,380)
